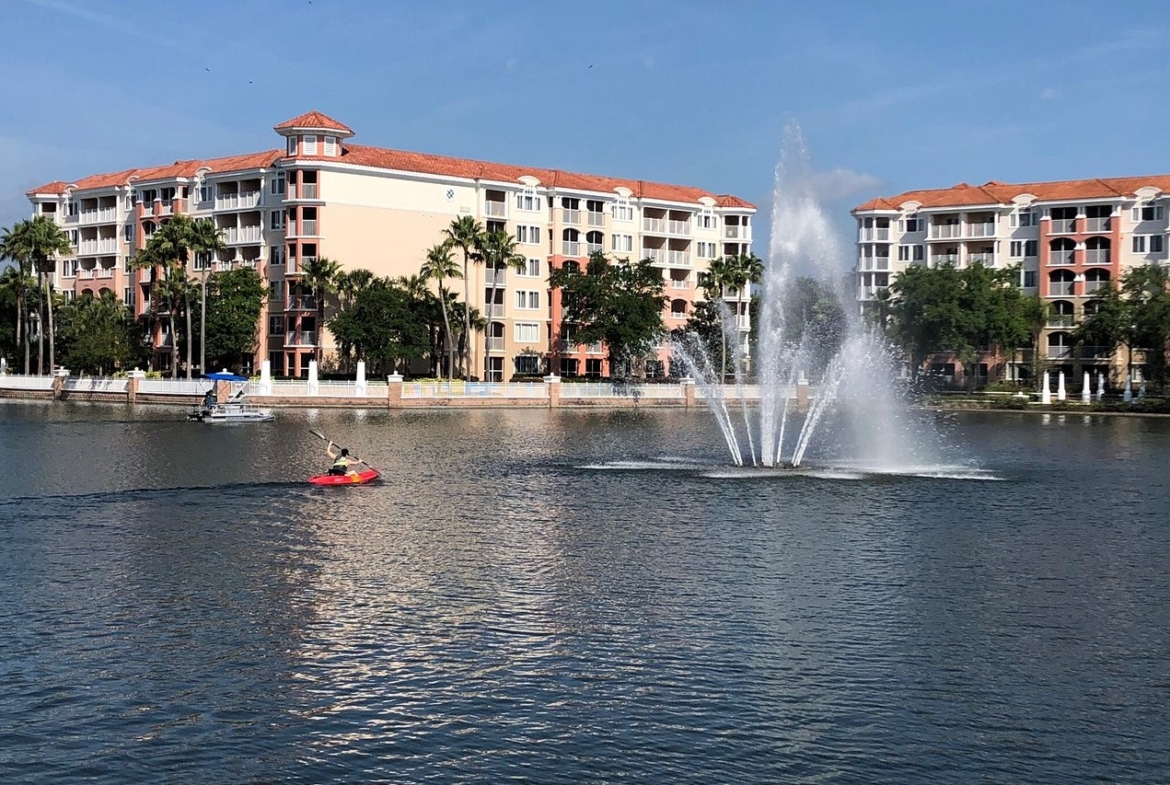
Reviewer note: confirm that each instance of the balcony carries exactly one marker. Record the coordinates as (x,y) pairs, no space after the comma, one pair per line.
(1097,353)
(1097,256)
(943,231)
(570,248)
(105,272)
(499,278)
(494,310)
(1060,288)
(656,255)
(656,225)
(678,227)
(302,191)
(1092,287)
(596,219)
(166,208)
(1058,258)
(867,235)
(302,302)
(1059,352)
(1063,225)
(678,258)
(495,344)
(495,209)
(240,201)
(679,284)
(571,216)
(592,248)
(300,338)
(86,274)
(985,259)
(235,235)
(735,232)
(981,230)
(946,258)
(1061,320)
(105,215)
(107,245)
(1099,225)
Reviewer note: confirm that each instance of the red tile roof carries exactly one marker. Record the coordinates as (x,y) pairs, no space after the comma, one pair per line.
(406,161)
(314,119)
(186,169)
(995,192)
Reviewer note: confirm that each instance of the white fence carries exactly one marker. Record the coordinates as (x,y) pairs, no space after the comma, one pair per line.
(457,389)
(173,386)
(97,384)
(16,382)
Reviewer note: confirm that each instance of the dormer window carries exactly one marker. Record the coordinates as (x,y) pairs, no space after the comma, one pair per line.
(278,183)
(330,146)
(206,193)
(527,199)
(705,219)
(622,211)
(310,144)
(292,145)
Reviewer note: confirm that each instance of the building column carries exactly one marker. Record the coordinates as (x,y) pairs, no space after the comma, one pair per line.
(394,390)
(552,389)
(688,391)
(132,386)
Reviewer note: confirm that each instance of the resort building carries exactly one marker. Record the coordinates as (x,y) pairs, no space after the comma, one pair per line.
(1070,239)
(321,195)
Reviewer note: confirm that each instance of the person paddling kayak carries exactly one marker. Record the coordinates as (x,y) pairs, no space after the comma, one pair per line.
(342,463)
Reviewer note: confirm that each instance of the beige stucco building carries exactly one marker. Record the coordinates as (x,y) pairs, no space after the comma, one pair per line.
(380,209)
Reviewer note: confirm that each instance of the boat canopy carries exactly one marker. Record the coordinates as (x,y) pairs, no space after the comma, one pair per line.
(224,376)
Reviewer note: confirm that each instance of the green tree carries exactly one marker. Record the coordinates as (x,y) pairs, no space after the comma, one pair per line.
(206,241)
(37,242)
(235,301)
(438,267)
(733,272)
(17,282)
(497,249)
(620,304)
(99,335)
(1146,291)
(925,316)
(170,248)
(383,326)
(464,233)
(321,276)
(815,319)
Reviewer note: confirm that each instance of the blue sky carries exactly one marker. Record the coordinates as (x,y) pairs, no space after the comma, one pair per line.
(889,97)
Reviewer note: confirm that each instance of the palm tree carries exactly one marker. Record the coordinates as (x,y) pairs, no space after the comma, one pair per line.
(498,251)
(171,247)
(321,275)
(464,234)
(207,240)
(730,272)
(353,283)
(38,241)
(438,267)
(16,279)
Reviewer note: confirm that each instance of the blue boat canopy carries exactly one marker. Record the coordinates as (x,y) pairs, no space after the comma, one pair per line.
(224,376)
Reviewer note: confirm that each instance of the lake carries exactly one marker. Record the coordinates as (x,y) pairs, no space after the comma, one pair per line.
(576,596)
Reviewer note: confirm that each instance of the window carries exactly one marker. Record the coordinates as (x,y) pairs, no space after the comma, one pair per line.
(1023,218)
(206,193)
(276,325)
(128,233)
(1148,212)
(912,225)
(1016,250)
(1156,243)
(1139,243)
(527,199)
(528,300)
(623,242)
(1030,278)
(276,255)
(292,145)
(72,237)
(528,235)
(72,208)
(622,211)
(278,183)
(705,219)
(128,296)
(919,253)
(330,146)
(527,364)
(527,332)
(310,144)
(531,268)
(903,253)
(276,290)
(276,220)
(202,261)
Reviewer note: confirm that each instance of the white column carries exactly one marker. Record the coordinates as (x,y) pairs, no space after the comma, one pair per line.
(1060,393)
(1046,391)
(1086,389)
(312,386)
(265,385)
(359,385)
(1100,386)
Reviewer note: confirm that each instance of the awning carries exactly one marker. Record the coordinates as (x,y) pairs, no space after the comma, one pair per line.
(224,376)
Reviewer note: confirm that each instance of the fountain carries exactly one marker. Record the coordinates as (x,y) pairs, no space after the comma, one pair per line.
(846,378)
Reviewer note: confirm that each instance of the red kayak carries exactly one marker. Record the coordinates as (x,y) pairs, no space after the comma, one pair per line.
(369,475)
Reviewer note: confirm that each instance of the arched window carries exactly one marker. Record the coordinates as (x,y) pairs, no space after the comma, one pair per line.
(678,309)
(570,245)
(1060,314)
(1097,250)
(1059,345)
(1096,280)
(1062,249)
(1060,283)
(594,242)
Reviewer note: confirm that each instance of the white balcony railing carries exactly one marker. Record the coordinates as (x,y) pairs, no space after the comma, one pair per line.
(592,248)
(596,219)
(571,216)
(678,227)
(302,191)
(981,230)
(237,201)
(984,259)
(945,230)
(242,234)
(679,284)
(1061,258)
(1064,225)
(654,254)
(570,248)
(300,338)
(1060,288)
(1097,256)
(678,257)
(495,344)
(1099,224)
(656,225)
(495,209)
(105,272)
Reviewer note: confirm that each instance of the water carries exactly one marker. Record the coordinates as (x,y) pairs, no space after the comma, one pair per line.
(576,596)
(852,384)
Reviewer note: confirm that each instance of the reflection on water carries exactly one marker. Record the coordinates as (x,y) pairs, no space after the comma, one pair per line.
(575,596)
